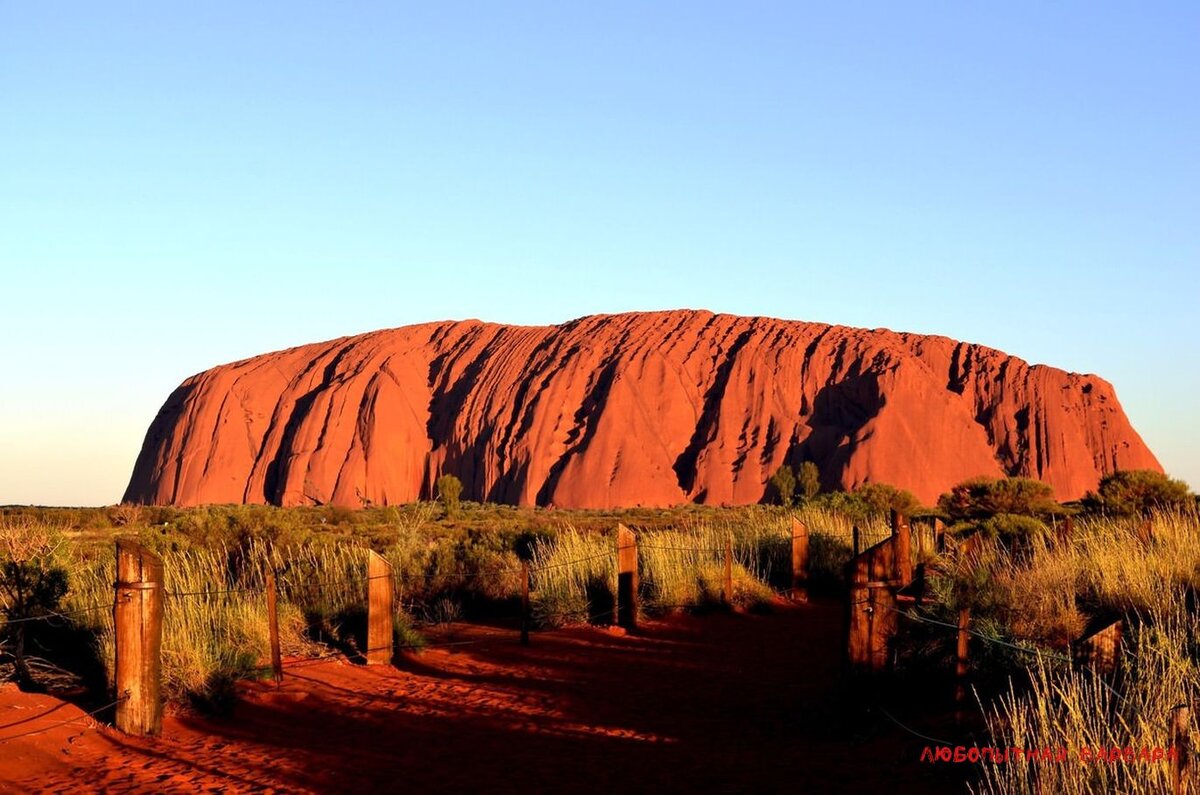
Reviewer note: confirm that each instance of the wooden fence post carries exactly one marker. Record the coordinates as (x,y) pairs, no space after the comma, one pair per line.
(727,582)
(799,561)
(902,542)
(1181,762)
(960,664)
(273,628)
(939,535)
(381,609)
(137,621)
(1100,648)
(854,535)
(858,619)
(627,578)
(524,603)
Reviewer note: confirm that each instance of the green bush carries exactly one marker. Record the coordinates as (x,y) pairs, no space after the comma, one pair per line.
(980,498)
(808,481)
(1008,527)
(870,500)
(782,485)
(449,489)
(1138,492)
(883,498)
(32,582)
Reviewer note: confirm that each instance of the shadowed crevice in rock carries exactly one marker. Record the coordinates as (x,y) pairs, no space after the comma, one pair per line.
(685,464)
(840,412)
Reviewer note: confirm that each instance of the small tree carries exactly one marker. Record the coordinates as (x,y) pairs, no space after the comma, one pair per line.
(31,582)
(783,485)
(1138,491)
(809,481)
(883,498)
(981,498)
(449,489)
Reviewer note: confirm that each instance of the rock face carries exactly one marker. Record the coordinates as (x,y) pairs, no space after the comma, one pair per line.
(649,409)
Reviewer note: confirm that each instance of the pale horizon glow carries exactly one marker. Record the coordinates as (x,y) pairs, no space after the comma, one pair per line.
(188,187)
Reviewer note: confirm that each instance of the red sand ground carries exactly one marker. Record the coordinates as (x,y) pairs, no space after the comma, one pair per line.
(719,703)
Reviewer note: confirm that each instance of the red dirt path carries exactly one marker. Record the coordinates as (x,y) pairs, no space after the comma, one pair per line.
(719,703)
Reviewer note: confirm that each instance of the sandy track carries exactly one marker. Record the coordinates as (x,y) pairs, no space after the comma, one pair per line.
(720,703)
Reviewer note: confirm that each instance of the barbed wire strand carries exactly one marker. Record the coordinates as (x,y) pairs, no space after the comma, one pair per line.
(91,714)
(65,614)
(913,732)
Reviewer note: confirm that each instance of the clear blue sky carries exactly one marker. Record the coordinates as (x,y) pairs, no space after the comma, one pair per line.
(184,186)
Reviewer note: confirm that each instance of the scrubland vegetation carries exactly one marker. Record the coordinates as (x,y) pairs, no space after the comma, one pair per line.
(451,560)
(1031,589)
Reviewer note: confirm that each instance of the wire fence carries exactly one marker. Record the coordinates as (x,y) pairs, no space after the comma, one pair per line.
(293,586)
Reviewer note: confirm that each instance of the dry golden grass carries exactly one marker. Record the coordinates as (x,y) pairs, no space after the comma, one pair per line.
(1110,570)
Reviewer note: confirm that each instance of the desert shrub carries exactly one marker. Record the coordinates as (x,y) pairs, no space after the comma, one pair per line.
(980,498)
(782,486)
(1015,533)
(411,518)
(125,515)
(883,498)
(443,610)
(449,489)
(868,501)
(808,481)
(33,582)
(490,569)
(1012,528)
(405,635)
(1138,492)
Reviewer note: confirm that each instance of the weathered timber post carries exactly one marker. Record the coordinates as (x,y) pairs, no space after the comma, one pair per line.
(1181,762)
(939,535)
(627,578)
(961,659)
(273,628)
(881,627)
(854,535)
(799,561)
(524,603)
(902,543)
(137,620)
(381,609)
(727,582)
(1100,649)
(858,616)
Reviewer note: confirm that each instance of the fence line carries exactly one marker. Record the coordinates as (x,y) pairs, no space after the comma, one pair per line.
(140,597)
